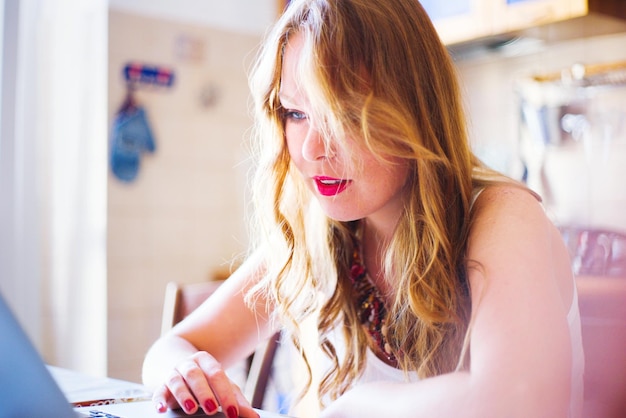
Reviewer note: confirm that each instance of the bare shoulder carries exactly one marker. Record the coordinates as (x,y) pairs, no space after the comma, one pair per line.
(503,210)
(512,236)
(504,200)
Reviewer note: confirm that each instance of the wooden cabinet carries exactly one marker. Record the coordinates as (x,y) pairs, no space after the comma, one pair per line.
(512,15)
(464,20)
(460,20)
(615,8)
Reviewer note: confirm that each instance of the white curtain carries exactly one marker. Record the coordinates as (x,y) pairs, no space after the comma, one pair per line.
(53,171)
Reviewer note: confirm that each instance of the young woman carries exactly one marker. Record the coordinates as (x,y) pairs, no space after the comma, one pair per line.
(441,287)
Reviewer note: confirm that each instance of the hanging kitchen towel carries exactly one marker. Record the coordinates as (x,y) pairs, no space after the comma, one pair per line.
(131,136)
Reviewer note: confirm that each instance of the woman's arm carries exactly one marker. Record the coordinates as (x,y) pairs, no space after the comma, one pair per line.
(186,366)
(520,348)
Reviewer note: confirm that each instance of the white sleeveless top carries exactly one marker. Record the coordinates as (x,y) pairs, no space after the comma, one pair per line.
(578,358)
(377,370)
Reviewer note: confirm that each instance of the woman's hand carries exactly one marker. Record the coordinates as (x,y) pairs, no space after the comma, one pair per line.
(201,382)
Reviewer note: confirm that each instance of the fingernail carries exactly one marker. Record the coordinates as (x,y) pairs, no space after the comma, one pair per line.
(160,407)
(210,406)
(231,412)
(189,405)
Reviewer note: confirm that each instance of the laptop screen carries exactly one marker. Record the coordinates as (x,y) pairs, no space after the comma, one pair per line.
(26,387)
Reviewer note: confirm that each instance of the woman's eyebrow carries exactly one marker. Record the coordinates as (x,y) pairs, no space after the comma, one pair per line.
(293,99)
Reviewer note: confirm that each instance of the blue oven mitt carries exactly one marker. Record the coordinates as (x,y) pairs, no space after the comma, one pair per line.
(131,136)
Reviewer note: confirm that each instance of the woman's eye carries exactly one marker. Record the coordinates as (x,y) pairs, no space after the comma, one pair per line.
(294,115)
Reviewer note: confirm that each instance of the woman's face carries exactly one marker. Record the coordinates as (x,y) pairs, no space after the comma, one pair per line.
(371,188)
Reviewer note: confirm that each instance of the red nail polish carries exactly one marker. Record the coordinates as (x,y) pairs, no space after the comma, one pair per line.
(189,405)
(231,412)
(210,406)
(160,407)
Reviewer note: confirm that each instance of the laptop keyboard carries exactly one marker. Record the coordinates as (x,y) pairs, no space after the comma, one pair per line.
(100,414)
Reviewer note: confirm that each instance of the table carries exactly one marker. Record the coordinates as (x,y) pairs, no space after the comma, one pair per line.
(84,390)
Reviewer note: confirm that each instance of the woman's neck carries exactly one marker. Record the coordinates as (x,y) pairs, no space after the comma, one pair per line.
(374,244)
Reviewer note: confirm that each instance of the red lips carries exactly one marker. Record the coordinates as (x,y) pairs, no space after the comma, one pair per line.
(328,186)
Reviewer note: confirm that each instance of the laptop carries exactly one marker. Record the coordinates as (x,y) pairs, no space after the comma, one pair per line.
(28,390)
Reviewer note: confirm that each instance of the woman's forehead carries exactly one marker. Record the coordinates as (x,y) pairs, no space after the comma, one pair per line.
(290,86)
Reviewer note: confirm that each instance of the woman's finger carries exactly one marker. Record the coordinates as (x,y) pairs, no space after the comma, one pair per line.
(221,388)
(199,382)
(179,388)
(162,399)
(245,409)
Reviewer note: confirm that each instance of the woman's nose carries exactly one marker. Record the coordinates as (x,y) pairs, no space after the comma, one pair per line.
(314,147)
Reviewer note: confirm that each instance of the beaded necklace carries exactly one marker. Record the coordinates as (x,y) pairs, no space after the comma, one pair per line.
(370,306)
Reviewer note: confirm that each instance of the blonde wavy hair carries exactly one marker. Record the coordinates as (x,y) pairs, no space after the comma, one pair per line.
(376,70)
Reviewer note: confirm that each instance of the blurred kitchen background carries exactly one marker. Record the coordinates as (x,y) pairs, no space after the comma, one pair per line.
(86,251)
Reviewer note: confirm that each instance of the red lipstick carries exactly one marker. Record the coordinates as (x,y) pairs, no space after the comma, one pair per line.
(328,186)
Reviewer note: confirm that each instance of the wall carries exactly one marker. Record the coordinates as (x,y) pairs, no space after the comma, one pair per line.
(584,191)
(183,217)
(244,16)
